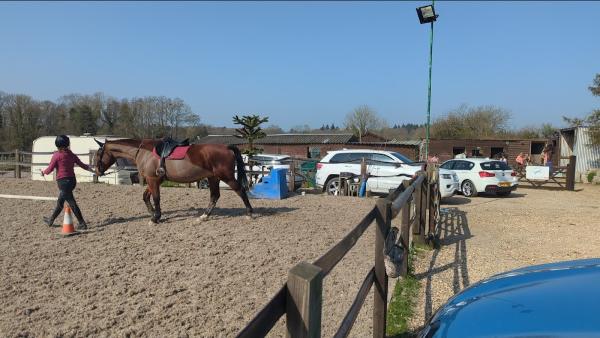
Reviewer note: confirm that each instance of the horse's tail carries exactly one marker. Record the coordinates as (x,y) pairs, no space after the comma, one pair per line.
(242,179)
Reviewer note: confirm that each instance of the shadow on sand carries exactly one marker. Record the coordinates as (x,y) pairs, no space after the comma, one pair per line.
(453,230)
(192,213)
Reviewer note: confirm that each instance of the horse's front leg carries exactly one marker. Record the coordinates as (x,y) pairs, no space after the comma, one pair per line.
(213,184)
(146,197)
(154,187)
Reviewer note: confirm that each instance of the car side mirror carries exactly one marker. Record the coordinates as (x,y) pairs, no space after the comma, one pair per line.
(397,165)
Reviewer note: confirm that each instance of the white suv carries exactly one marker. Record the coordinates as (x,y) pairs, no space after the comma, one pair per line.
(386,169)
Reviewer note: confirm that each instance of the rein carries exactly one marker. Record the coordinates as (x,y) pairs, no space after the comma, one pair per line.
(138,151)
(123,168)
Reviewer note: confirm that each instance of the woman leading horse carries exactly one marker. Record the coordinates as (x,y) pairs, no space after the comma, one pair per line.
(216,162)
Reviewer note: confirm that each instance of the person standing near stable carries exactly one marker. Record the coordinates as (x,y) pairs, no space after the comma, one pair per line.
(63,160)
(547,154)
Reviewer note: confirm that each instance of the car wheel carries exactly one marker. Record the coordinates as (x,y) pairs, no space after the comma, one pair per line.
(503,194)
(468,189)
(332,187)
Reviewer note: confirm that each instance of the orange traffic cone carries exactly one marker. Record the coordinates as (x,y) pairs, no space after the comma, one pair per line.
(68,228)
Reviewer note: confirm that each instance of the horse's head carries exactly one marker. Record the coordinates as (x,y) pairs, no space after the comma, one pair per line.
(103,159)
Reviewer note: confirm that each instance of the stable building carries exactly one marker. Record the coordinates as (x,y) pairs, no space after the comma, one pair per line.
(446,149)
(317,145)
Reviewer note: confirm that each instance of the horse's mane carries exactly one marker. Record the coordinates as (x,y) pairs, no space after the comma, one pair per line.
(148,143)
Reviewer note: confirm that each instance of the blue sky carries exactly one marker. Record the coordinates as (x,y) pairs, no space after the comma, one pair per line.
(309,63)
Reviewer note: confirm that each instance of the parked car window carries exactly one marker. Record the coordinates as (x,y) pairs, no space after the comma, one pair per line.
(381,159)
(494,165)
(340,158)
(402,158)
(357,157)
(463,165)
(447,165)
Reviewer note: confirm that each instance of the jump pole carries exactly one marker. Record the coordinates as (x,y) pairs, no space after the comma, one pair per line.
(24,197)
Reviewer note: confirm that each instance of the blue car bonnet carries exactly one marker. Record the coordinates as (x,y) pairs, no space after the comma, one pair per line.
(550,300)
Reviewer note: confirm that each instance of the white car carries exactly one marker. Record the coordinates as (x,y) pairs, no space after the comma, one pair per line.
(448,183)
(386,169)
(478,175)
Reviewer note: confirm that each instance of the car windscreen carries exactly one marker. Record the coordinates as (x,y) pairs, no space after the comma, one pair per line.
(402,158)
(494,165)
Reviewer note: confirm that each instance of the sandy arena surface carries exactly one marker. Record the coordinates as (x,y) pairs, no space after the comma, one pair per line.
(180,278)
(488,235)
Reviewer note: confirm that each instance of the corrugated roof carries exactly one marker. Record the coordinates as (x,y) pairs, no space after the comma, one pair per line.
(411,143)
(283,139)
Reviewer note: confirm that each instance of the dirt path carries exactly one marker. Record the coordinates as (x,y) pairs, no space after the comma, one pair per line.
(180,278)
(488,235)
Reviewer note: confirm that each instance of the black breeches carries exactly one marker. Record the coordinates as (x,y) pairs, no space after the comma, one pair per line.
(65,187)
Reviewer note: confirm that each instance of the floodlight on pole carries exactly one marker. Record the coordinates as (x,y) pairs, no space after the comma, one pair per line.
(427,15)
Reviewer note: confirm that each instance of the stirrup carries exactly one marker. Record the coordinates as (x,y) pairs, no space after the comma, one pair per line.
(160,172)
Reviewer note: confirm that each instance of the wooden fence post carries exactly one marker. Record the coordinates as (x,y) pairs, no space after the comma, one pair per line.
(380,293)
(571,173)
(424,209)
(304,301)
(17,164)
(405,231)
(418,228)
(292,181)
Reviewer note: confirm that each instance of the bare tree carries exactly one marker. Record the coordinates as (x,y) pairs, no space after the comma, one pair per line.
(362,120)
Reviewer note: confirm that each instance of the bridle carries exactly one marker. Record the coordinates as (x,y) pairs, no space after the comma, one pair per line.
(100,165)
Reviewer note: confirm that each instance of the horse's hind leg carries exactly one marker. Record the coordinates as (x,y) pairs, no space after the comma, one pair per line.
(154,188)
(146,197)
(242,193)
(213,184)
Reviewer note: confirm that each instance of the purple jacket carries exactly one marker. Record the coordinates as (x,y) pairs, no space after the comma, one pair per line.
(64,161)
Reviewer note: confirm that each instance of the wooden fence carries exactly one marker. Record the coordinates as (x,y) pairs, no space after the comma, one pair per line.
(300,299)
(15,160)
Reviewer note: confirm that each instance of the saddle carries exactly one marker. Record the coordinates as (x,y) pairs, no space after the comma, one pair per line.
(164,148)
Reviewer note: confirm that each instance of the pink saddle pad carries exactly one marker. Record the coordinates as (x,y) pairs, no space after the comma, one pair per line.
(177,154)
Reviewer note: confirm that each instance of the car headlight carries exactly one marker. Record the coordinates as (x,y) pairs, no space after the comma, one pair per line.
(446,176)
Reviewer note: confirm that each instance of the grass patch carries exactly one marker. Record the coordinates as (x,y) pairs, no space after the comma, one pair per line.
(170,184)
(404,297)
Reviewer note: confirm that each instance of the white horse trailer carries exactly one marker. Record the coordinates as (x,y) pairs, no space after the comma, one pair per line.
(84,147)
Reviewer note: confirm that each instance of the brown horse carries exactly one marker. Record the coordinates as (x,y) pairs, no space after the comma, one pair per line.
(213,161)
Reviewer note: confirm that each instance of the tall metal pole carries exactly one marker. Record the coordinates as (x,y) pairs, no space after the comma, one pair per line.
(429,93)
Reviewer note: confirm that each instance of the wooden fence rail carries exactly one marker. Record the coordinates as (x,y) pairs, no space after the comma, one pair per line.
(300,299)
